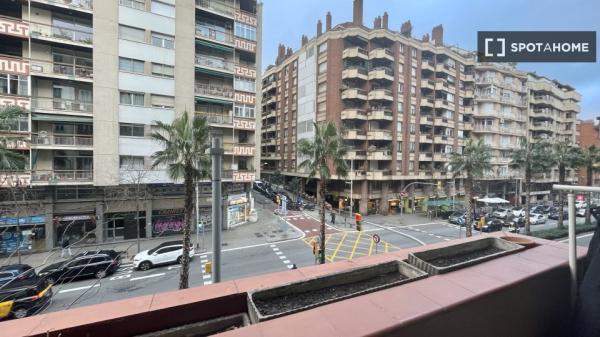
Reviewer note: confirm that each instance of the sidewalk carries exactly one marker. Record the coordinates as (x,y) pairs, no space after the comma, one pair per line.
(269,228)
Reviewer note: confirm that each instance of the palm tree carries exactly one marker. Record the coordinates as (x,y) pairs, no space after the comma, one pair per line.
(533,158)
(184,143)
(326,151)
(473,162)
(565,156)
(589,159)
(9,159)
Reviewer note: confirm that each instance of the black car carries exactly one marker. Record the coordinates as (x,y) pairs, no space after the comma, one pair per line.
(88,264)
(22,292)
(493,225)
(554,215)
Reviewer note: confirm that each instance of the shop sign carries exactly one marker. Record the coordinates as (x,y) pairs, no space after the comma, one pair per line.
(75,217)
(23,220)
(177,211)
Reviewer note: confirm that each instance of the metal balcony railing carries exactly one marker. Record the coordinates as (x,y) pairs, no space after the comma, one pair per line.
(217,118)
(214,90)
(60,104)
(81,4)
(223,7)
(214,34)
(62,69)
(56,176)
(214,62)
(60,33)
(62,140)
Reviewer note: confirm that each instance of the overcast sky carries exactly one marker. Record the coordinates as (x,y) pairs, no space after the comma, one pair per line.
(285,21)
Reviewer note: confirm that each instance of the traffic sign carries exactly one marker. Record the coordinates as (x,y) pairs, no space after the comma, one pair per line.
(376,238)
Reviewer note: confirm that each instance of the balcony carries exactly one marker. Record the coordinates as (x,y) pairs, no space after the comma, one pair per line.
(61,106)
(381,74)
(239,150)
(14,27)
(354,94)
(354,114)
(356,154)
(425,156)
(217,119)
(214,91)
(427,102)
(381,114)
(355,73)
(355,134)
(269,141)
(381,95)
(269,127)
(381,54)
(62,141)
(379,155)
(61,177)
(355,175)
(428,65)
(222,36)
(428,84)
(441,139)
(442,84)
(223,8)
(270,114)
(437,156)
(215,63)
(443,103)
(379,175)
(426,120)
(379,134)
(78,5)
(441,121)
(444,67)
(269,86)
(270,156)
(549,127)
(269,99)
(355,52)
(425,138)
(61,35)
(62,71)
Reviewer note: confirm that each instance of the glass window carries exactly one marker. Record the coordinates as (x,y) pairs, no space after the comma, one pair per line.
(135,4)
(245,111)
(132,34)
(131,65)
(245,31)
(163,70)
(323,47)
(131,98)
(131,162)
(322,88)
(14,84)
(131,130)
(244,85)
(164,41)
(414,53)
(413,109)
(159,101)
(322,68)
(413,72)
(161,8)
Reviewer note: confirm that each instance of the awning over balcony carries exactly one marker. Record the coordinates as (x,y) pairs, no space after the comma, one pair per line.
(212,100)
(214,45)
(61,118)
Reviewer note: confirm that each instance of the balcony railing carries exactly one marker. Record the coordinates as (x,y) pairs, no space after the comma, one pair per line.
(214,34)
(217,118)
(214,90)
(221,7)
(57,176)
(61,33)
(62,69)
(76,4)
(61,105)
(214,62)
(62,140)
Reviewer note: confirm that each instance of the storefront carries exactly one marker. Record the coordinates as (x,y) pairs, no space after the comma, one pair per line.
(167,222)
(394,206)
(238,210)
(78,229)
(28,233)
(122,226)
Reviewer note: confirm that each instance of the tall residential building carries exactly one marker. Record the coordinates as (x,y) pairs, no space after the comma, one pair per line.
(404,105)
(589,134)
(92,77)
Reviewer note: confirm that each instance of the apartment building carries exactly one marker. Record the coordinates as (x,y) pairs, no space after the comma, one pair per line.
(404,105)
(92,78)
(589,134)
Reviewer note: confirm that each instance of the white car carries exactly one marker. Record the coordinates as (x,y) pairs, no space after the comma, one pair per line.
(536,219)
(580,204)
(580,212)
(518,211)
(165,253)
(500,213)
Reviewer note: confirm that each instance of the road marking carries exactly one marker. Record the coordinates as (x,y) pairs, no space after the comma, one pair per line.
(147,276)
(446,239)
(275,248)
(278,253)
(371,246)
(272,246)
(355,244)
(315,230)
(286,261)
(206,277)
(290,266)
(578,237)
(282,257)
(398,232)
(207,283)
(77,289)
(126,264)
(174,267)
(332,257)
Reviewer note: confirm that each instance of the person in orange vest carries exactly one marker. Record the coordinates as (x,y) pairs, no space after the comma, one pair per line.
(316,250)
(358,218)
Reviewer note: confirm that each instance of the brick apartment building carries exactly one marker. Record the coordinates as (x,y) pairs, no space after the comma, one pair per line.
(589,134)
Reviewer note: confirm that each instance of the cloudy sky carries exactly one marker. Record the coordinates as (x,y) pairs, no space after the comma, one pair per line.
(285,21)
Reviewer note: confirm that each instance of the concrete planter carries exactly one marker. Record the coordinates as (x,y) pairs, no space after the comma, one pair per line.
(446,259)
(266,304)
(204,328)
(527,243)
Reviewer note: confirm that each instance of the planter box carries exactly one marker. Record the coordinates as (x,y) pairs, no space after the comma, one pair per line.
(204,328)
(443,260)
(266,304)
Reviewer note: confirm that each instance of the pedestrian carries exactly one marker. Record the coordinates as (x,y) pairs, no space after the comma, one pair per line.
(332,218)
(66,248)
(294,266)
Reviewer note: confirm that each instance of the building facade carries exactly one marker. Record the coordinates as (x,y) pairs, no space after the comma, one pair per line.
(589,134)
(92,78)
(403,105)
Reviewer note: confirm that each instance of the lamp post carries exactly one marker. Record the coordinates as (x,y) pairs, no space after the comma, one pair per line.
(216,153)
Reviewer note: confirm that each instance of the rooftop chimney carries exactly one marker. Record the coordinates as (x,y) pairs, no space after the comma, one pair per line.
(328,22)
(406,29)
(289,53)
(280,53)
(319,28)
(304,40)
(377,22)
(437,35)
(357,17)
(425,37)
(385,20)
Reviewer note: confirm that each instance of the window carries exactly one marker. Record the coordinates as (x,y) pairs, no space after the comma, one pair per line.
(310,52)
(451,63)
(462,68)
(401,49)
(411,165)
(131,130)
(413,72)
(413,110)
(461,101)
(414,53)
(413,91)
(322,68)
(244,111)
(322,88)
(450,97)
(244,85)
(131,65)
(321,107)
(245,31)
(412,147)
(135,4)
(400,108)
(131,162)
(163,41)
(161,8)
(322,47)
(451,79)
(412,129)
(399,125)
(400,88)
(159,101)
(163,70)
(131,98)
(132,34)
(14,85)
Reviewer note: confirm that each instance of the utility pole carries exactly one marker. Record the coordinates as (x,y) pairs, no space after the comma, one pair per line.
(197,215)
(216,153)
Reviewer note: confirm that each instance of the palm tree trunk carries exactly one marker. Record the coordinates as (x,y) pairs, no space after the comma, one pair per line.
(469,213)
(561,215)
(322,192)
(185,261)
(588,214)
(527,199)
(561,181)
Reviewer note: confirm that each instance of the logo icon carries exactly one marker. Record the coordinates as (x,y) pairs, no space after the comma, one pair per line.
(502,42)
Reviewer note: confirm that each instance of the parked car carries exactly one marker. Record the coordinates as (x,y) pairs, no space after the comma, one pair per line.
(537,219)
(165,253)
(22,292)
(518,211)
(554,215)
(493,226)
(539,209)
(501,213)
(96,264)
(580,212)
(516,222)
(457,218)
(580,204)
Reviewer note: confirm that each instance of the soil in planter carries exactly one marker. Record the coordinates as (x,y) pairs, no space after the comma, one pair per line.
(446,261)
(296,301)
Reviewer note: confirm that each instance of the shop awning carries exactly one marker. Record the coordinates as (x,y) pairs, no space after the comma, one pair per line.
(492,200)
(215,46)
(61,118)
(213,72)
(442,202)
